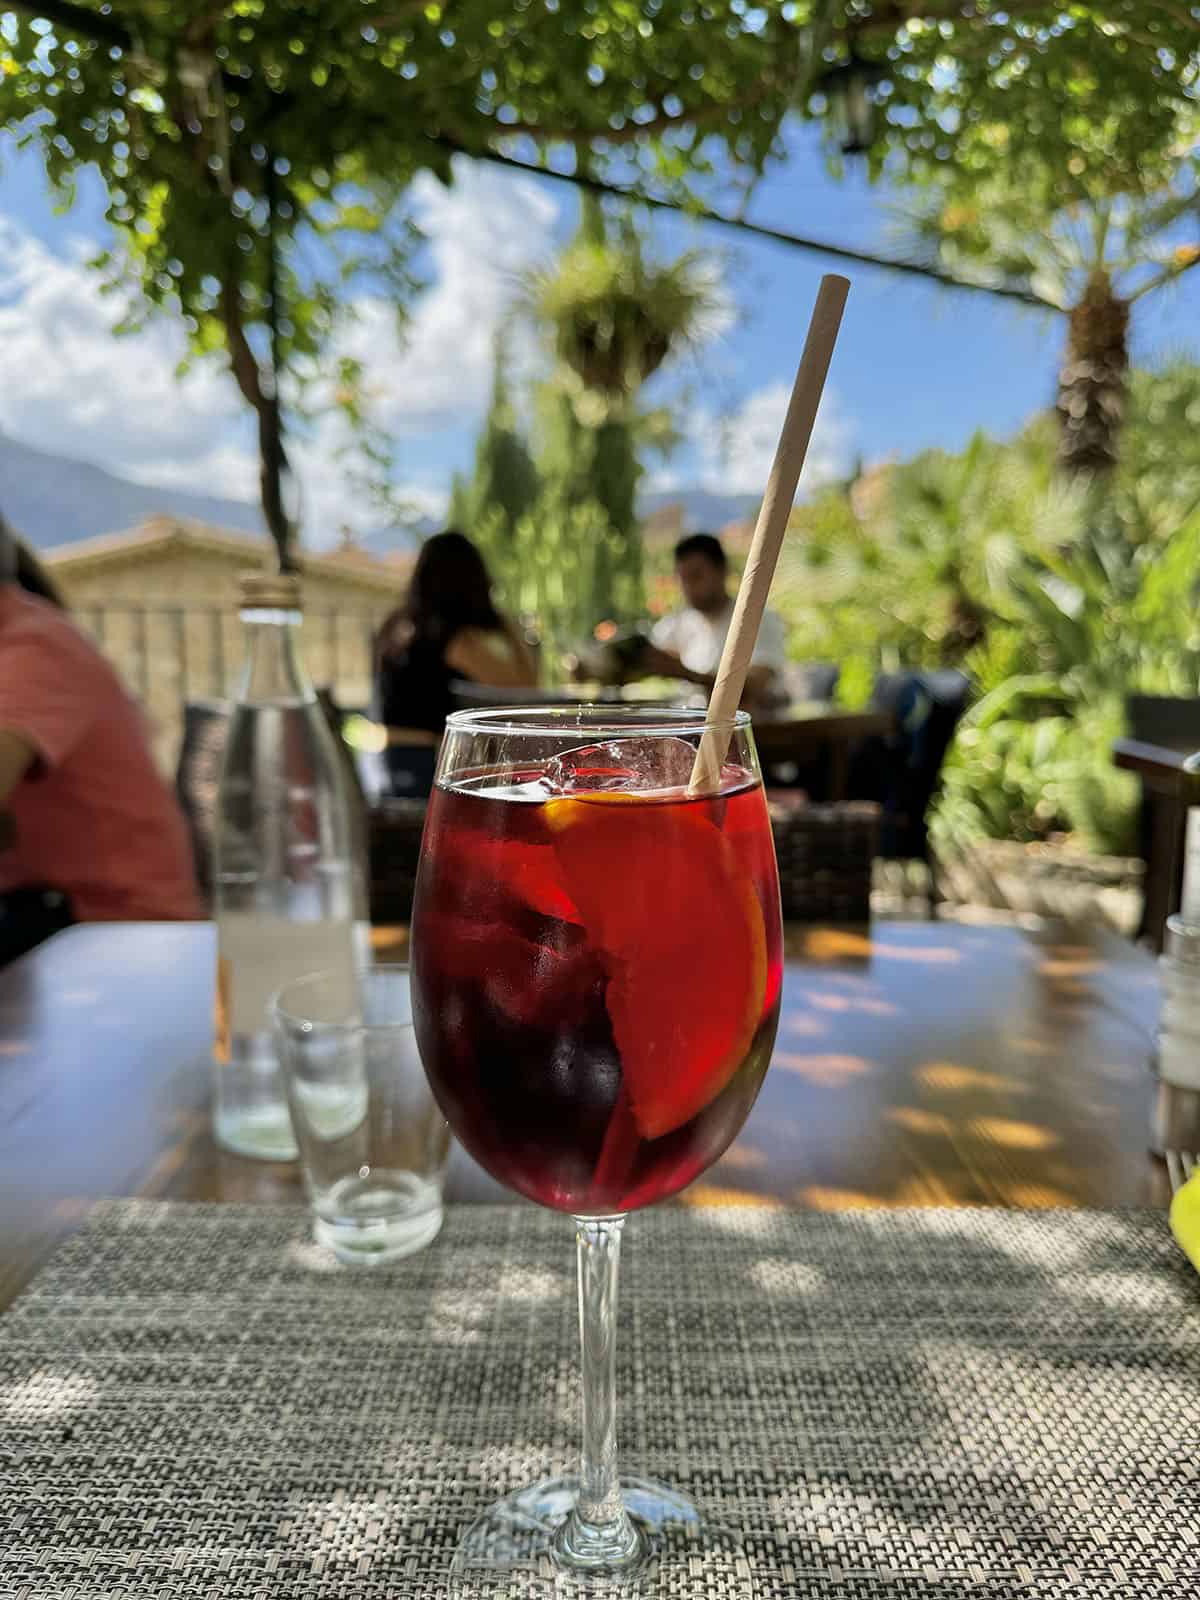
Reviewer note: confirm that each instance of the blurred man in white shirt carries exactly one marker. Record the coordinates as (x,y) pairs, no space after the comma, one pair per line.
(687,644)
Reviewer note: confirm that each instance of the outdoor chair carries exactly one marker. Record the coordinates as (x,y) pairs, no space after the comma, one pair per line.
(1164,719)
(901,770)
(1174,724)
(825,853)
(406,771)
(396,829)
(197,774)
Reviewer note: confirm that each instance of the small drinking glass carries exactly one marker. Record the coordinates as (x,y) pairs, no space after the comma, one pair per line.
(373,1144)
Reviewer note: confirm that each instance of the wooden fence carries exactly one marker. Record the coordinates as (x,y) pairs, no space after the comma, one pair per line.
(169,655)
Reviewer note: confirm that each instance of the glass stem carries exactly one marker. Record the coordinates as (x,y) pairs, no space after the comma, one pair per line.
(598,1533)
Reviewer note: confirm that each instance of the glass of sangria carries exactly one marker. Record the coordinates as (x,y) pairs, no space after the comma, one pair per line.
(596,970)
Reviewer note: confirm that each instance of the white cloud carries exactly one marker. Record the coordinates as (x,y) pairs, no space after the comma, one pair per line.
(228,470)
(663,480)
(484,232)
(329,502)
(734,451)
(70,386)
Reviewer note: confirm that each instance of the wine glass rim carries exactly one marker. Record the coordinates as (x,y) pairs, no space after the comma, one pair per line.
(591,718)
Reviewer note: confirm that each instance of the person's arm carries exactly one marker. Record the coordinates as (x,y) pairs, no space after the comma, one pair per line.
(17,756)
(490,658)
(659,658)
(662,664)
(656,662)
(524,651)
(44,710)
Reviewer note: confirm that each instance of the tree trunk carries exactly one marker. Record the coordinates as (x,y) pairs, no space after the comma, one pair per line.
(596,464)
(1093,380)
(259,386)
(271,455)
(617,572)
(966,627)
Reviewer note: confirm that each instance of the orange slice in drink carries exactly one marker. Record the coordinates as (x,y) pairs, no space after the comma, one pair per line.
(474,868)
(680,932)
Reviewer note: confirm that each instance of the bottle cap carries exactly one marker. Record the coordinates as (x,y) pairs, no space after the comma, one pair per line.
(274,591)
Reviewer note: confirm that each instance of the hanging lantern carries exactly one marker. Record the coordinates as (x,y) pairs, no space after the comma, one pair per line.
(847,88)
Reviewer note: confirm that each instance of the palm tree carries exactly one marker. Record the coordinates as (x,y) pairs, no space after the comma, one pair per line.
(1092,259)
(613,315)
(930,558)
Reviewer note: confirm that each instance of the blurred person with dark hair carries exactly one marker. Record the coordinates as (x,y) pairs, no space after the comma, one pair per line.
(91,832)
(448,629)
(687,644)
(33,577)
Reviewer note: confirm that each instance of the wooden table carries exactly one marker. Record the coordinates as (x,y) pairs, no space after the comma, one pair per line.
(927,1064)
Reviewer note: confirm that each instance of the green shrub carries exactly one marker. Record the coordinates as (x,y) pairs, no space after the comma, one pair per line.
(1058,599)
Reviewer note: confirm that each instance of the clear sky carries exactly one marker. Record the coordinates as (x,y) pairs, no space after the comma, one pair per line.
(916,365)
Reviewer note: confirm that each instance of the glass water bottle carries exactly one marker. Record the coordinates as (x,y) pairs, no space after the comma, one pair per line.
(288,890)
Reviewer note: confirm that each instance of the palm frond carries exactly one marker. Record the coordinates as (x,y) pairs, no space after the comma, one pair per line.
(616,312)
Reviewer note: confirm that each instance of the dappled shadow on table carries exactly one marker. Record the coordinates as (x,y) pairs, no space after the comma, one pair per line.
(907,1403)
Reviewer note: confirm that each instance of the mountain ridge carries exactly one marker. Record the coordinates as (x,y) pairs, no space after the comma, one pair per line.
(54,500)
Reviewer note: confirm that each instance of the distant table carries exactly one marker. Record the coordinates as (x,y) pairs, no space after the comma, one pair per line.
(796,734)
(802,731)
(810,727)
(924,1064)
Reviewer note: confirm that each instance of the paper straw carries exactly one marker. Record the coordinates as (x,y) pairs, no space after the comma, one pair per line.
(768,533)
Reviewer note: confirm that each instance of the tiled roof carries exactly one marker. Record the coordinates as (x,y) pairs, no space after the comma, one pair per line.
(243,550)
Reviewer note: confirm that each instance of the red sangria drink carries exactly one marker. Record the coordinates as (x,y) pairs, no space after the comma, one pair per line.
(596,974)
(596,969)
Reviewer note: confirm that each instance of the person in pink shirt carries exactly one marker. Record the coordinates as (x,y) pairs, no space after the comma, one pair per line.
(92,833)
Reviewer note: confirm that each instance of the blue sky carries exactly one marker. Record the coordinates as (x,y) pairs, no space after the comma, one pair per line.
(915,366)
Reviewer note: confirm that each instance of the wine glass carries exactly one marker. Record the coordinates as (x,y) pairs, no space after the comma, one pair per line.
(596,966)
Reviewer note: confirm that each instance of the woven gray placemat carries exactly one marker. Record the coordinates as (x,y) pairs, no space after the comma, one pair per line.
(195,1401)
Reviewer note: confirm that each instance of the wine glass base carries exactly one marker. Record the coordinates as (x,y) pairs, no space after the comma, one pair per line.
(515,1538)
